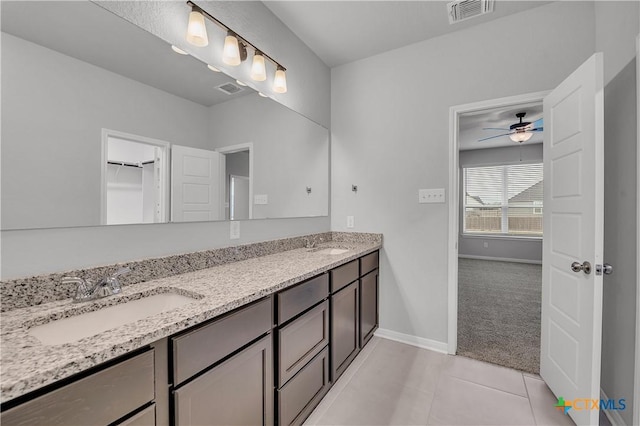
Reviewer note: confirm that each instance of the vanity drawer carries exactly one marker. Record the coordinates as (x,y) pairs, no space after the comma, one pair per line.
(297,299)
(198,349)
(298,398)
(98,399)
(344,275)
(368,263)
(146,417)
(300,340)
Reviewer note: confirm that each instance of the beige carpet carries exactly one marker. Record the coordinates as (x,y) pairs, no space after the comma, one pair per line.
(499,313)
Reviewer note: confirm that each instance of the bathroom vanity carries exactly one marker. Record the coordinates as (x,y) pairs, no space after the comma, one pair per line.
(261,343)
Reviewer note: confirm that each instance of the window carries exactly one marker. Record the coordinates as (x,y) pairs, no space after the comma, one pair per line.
(503,200)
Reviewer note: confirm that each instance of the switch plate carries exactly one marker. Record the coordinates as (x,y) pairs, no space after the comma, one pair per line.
(234,230)
(431,195)
(260,199)
(350,222)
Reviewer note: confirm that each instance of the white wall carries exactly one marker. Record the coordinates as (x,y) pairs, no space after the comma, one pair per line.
(501,247)
(52,121)
(31,252)
(390,122)
(617,26)
(280,139)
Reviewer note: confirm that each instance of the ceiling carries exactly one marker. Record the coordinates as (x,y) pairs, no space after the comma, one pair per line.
(114,44)
(472,124)
(345,31)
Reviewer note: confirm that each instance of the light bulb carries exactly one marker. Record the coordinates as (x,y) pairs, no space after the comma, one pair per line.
(197,30)
(280,81)
(520,136)
(231,51)
(258,69)
(241,83)
(263,95)
(178,50)
(212,68)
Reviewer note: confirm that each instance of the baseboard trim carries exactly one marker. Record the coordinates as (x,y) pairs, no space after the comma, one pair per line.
(500,259)
(420,342)
(614,416)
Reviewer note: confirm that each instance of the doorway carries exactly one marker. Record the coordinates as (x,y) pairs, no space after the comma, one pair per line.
(238,198)
(500,240)
(134,173)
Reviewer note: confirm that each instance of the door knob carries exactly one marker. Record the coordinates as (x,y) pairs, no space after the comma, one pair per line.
(584,267)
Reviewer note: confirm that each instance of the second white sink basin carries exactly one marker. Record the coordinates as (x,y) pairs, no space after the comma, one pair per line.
(74,328)
(332,251)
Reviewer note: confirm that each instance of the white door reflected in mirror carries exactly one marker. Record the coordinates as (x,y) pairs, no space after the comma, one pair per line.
(134,176)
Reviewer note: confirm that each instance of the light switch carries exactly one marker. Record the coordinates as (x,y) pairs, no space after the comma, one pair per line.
(350,222)
(234,230)
(431,195)
(260,199)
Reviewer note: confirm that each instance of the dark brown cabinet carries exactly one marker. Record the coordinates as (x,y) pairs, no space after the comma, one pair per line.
(98,399)
(368,297)
(239,391)
(302,349)
(344,328)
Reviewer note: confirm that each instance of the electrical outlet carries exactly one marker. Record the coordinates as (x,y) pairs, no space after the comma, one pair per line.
(260,199)
(234,230)
(350,222)
(431,195)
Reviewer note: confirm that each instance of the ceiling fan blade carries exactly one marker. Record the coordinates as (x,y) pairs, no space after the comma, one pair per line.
(492,137)
(537,129)
(537,123)
(494,128)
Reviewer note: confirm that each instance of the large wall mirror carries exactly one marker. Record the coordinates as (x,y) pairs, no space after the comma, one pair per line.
(103,123)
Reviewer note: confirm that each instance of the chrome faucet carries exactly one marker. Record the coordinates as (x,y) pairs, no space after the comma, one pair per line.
(309,244)
(107,286)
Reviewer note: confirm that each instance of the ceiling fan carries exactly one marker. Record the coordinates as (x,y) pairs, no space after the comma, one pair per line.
(518,132)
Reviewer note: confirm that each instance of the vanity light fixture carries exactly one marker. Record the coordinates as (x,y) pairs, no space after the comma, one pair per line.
(234,51)
(280,81)
(178,50)
(231,53)
(258,68)
(212,68)
(196,29)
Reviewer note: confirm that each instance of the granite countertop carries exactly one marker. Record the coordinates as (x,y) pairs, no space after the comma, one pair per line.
(26,364)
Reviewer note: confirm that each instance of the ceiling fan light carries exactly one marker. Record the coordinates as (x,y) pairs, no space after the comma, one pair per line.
(196,29)
(520,136)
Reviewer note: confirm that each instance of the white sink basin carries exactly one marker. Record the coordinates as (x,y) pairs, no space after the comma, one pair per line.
(74,328)
(332,251)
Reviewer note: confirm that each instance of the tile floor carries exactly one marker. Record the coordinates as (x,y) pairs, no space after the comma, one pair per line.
(392,383)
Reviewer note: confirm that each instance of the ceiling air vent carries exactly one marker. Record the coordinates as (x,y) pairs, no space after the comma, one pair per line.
(229,88)
(464,9)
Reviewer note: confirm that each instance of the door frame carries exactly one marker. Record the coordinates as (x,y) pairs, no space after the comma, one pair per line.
(231,149)
(454,201)
(164,167)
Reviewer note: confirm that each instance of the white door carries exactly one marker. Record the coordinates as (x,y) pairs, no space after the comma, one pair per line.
(197,184)
(573,232)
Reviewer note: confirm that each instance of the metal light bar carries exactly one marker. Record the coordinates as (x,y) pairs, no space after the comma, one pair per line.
(240,38)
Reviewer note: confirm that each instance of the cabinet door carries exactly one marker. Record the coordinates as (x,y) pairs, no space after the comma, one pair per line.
(344,328)
(368,306)
(239,391)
